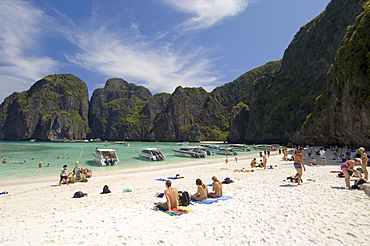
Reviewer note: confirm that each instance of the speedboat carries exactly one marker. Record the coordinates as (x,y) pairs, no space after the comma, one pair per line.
(152,154)
(106,157)
(183,143)
(117,142)
(225,151)
(264,147)
(195,152)
(241,147)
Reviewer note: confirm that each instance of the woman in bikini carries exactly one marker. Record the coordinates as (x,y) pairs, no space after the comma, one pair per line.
(298,164)
(349,166)
(364,162)
(217,188)
(202,191)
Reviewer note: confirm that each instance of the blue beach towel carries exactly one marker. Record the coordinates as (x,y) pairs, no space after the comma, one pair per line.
(212,200)
(161,179)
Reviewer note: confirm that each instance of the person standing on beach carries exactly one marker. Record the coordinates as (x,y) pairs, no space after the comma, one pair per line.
(63,175)
(298,164)
(172,197)
(323,156)
(364,160)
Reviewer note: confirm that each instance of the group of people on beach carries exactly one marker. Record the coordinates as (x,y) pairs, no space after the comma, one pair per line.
(172,194)
(347,168)
(77,174)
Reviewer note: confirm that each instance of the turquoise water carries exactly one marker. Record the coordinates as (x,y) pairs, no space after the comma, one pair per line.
(23,158)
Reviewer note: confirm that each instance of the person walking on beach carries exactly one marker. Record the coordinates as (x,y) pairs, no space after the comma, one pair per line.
(63,175)
(172,197)
(364,160)
(298,165)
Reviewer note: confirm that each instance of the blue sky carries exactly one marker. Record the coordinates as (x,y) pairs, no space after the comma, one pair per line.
(159,44)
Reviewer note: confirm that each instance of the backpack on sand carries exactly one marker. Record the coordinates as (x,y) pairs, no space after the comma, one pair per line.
(79,194)
(184,198)
(105,190)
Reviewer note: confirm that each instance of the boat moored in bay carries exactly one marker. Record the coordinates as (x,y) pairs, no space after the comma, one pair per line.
(106,157)
(153,154)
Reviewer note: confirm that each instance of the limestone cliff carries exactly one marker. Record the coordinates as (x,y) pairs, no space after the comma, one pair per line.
(342,115)
(54,107)
(281,103)
(119,111)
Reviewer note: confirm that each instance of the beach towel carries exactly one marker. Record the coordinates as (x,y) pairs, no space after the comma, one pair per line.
(175,211)
(175,177)
(244,171)
(212,200)
(161,179)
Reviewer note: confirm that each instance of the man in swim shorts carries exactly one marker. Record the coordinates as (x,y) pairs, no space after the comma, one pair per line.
(298,164)
(323,156)
(63,175)
(172,197)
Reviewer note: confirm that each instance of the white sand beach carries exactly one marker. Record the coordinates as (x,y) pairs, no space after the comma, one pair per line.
(266,209)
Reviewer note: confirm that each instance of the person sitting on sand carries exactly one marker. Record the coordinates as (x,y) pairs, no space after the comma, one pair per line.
(172,197)
(64,175)
(217,188)
(254,163)
(202,191)
(298,164)
(349,166)
(313,162)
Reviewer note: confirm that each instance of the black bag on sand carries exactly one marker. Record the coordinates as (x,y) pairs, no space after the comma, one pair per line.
(184,198)
(79,194)
(358,184)
(105,190)
(227,181)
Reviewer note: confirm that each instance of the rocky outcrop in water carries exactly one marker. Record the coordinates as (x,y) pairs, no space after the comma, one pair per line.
(54,107)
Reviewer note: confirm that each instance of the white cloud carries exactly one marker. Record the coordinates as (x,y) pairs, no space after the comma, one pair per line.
(19,33)
(154,65)
(206,13)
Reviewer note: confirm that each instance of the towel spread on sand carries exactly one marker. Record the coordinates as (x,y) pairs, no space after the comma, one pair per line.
(175,211)
(212,200)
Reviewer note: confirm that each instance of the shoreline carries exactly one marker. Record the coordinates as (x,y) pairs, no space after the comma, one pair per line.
(265,209)
(217,159)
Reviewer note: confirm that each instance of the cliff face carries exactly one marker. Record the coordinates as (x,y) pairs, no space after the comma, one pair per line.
(179,119)
(281,102)
(115,111)
(341,115)
(271,103)
(54,107)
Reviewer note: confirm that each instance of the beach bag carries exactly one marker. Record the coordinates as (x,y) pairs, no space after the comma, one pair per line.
(184,198)
(105,190)
(358,184)
(227,181)
(79,194)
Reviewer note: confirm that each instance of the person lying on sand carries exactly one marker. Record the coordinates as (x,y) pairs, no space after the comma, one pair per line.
(217,188)
(202,191)
(172,197)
